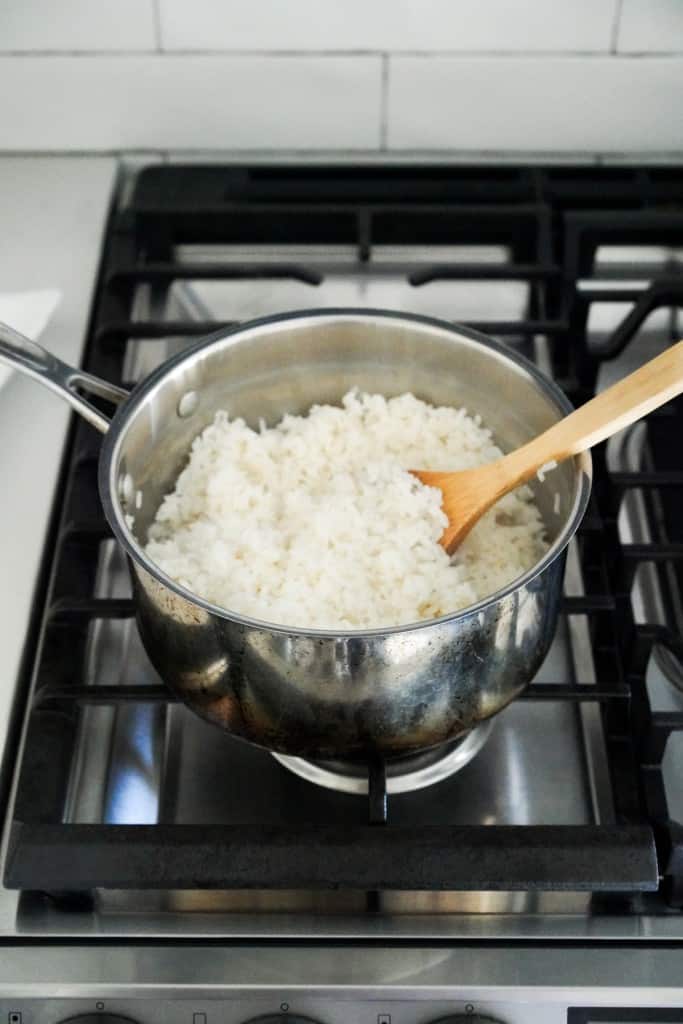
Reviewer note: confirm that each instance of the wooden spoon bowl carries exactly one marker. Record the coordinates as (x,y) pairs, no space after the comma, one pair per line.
(469,493)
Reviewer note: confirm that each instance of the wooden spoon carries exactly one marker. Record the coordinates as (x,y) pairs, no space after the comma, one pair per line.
(467,494)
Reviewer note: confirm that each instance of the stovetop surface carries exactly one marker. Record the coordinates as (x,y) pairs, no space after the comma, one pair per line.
(560,264)
(153,762)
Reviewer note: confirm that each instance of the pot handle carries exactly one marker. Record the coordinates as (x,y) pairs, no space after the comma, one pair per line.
(20,353)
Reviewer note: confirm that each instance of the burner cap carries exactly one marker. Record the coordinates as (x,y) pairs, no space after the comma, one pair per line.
(404,774)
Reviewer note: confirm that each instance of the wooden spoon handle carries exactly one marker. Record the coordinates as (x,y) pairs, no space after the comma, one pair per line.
(652,385)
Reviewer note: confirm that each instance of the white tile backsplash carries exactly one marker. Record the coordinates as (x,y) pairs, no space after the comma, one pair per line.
(485,79)
(388,25)
(587,105)
(650,26)
(162,102)
(71,25)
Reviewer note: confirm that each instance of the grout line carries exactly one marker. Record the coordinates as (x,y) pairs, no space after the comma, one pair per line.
(399,52)
(59,54)
(160,51)
(408,155)
(614,40)
(345,54)
(384,104)
(156,13)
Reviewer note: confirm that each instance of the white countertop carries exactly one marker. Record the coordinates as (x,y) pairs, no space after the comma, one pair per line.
(53,212)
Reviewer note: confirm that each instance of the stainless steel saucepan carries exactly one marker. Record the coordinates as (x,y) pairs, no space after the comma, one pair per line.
(317,693)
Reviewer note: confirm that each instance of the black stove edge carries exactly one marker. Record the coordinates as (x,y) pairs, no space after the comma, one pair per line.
(495,858)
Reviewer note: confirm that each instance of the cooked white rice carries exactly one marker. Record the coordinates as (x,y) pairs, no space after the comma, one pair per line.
(316,523)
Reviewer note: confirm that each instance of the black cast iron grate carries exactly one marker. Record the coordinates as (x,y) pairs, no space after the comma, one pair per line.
(552,221)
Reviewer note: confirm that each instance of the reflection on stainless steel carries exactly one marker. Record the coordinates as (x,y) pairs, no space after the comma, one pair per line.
(595,289)
(641,522)
(629,268)
(117,771)
(314,694)
(390,290)
(325,255)
(629,451)
(596,765)
(382,283)
(243,901)
(485,903)
(518,984)
(582,668)
(664,679)
(529,771)
(404,774)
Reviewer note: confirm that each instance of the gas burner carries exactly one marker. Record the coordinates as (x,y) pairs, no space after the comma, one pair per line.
(404,774)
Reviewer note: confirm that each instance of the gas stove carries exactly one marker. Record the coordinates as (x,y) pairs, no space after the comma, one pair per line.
(156,869)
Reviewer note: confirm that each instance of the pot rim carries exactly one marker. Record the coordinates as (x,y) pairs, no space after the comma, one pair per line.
(125,413)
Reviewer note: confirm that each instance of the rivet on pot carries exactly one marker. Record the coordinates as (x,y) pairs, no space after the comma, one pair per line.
(126,489)
(188,404)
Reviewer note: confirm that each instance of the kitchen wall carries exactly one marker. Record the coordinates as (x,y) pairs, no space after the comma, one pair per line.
(580,79)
